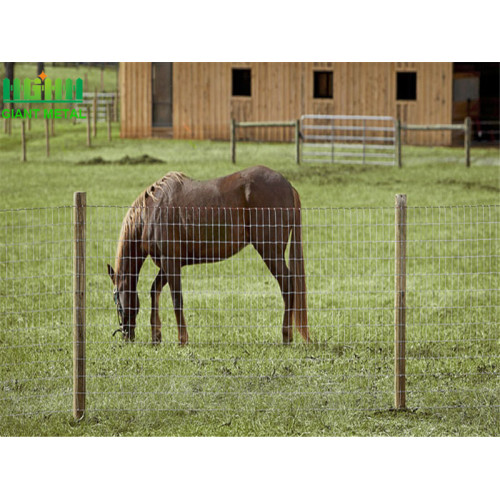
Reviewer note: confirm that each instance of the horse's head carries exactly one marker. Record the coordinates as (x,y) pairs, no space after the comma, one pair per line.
(127,305)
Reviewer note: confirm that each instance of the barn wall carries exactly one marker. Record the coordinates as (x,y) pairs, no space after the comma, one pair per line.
(434,103)
(203,105)
(136,100)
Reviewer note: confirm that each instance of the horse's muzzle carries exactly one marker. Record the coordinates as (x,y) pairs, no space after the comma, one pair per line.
(127,334)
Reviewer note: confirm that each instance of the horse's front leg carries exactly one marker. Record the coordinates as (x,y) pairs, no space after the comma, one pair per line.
(158,284)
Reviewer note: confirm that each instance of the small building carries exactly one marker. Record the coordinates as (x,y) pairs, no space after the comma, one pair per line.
(198,100)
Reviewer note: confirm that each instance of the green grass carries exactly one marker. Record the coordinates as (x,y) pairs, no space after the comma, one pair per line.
(239,380)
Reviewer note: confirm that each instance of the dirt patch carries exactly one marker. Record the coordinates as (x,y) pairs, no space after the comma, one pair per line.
(126,160)
(470,185)
(315,175)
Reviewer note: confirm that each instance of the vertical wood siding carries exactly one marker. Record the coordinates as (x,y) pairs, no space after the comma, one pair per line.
(136,100)
(203,105)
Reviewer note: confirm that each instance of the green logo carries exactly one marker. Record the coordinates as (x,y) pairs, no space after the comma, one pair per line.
(40,90)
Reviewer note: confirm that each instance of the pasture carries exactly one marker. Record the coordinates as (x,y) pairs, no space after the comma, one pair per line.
(235,378)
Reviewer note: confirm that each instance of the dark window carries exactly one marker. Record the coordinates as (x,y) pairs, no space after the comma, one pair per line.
(406,86)
(323,84)
(242,82)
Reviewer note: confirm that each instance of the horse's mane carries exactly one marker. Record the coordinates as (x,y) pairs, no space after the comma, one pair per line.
(133,222)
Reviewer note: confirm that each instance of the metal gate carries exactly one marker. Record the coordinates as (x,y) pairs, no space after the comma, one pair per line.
(367,140)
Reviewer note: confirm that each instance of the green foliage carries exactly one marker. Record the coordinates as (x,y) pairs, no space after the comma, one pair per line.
(24,70)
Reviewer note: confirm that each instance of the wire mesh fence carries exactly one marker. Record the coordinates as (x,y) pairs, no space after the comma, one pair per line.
(234,311)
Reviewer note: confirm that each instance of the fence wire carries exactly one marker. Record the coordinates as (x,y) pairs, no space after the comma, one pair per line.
(235,359)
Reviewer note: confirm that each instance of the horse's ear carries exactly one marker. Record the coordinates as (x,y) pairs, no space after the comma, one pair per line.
(111,273)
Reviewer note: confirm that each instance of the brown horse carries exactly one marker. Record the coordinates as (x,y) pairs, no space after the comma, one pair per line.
(179,221)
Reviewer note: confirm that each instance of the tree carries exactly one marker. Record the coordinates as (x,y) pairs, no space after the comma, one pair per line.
(9,73)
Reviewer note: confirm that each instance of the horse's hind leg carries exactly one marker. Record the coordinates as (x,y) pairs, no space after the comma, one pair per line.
(158,284)
(174,281)
(280,271)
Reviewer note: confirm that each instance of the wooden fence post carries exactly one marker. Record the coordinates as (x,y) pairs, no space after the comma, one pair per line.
(94,106)
(8,123)
(23,140)
(233,141)
(400,304)
(116,103)
(108,118)
(467,139)
(294,123)
(79,305)
(113,99)
(297,142)
(398,144)
(89,141)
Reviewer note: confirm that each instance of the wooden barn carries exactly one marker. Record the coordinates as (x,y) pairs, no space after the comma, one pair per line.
(198,100)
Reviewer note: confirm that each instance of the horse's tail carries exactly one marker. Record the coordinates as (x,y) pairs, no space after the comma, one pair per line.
(297,269)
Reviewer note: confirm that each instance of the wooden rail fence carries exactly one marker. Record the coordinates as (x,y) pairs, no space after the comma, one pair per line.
(466,128)
(235,125)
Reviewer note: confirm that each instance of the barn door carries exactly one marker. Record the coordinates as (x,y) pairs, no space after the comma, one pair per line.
(162,94)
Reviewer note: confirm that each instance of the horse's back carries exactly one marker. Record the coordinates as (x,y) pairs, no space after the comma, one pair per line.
(268,203)
(214,219)
(256,187)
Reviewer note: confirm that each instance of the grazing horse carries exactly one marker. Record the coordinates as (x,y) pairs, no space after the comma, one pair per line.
(179,221)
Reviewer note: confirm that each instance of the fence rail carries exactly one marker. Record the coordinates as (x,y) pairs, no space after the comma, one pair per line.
(234,133)
(352,139)
(234,312)
(100,105)
(465,127)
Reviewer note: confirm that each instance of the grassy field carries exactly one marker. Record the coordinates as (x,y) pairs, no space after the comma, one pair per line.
(235,378)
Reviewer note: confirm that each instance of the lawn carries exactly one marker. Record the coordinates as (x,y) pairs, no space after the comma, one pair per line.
(235,378)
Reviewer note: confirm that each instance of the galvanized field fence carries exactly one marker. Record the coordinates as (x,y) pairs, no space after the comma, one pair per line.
(403,310)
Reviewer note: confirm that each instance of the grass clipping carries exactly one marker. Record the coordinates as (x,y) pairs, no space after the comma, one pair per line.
(126,160)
